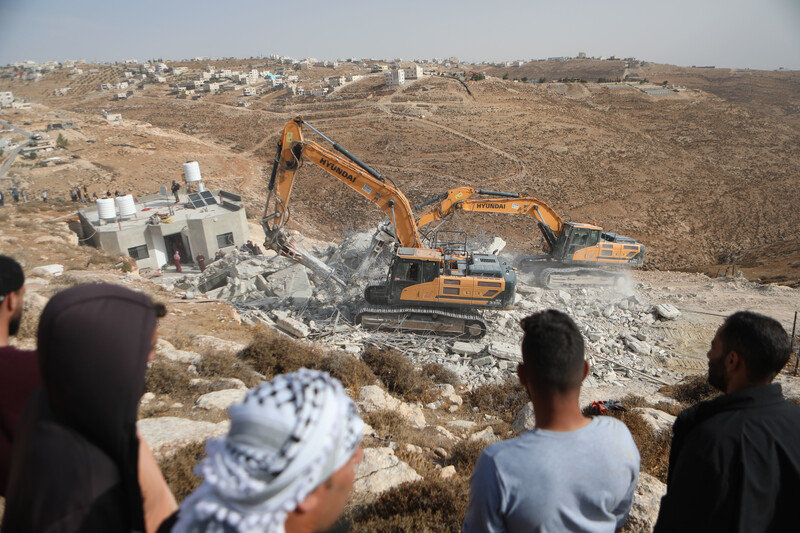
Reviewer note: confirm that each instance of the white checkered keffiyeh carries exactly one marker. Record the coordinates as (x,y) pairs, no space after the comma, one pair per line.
(286,438)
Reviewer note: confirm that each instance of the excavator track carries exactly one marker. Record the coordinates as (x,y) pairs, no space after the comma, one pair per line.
(422,320)
(556,278)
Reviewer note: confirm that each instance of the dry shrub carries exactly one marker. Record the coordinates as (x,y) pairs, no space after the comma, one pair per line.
(464,456)
(691,389)
(272,353)
(431,505)
(632,401)
(351,371)
(398,375)
(387,422)
(653,448)
(504,400)
(219,364)
(167,377)
(178,469)
(440,374)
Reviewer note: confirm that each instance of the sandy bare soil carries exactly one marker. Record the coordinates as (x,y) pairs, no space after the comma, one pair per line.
(703,177)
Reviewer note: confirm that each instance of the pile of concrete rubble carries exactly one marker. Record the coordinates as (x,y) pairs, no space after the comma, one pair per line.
(623,329)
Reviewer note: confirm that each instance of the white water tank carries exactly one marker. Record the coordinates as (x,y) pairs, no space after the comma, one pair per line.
(106,209)
(191,170)
(126,206)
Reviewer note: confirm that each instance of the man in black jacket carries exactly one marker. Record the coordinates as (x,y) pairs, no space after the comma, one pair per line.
(735,460)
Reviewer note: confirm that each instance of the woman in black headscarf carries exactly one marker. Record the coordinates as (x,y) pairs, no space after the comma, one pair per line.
(75,461)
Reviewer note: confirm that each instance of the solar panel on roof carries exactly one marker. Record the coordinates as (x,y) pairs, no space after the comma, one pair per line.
(201,199)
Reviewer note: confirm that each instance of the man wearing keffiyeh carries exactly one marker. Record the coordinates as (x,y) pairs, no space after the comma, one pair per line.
(286,465)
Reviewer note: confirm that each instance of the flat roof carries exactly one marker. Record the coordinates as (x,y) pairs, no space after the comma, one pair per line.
(164,206)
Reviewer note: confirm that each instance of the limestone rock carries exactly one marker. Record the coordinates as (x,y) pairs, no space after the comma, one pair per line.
(447,472)
(381,470)
(461,424)
(221,399)
(217,384)
(373,398)
(646,503)
(168,433)
(445,390)
(486,435)
(525,420)
(207,342)
(47,271)
(636,345)
(440,433)
(179,356)
(483,361)
(657,421)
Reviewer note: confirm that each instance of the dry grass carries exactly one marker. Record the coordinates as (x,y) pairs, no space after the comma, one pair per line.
(431,505)
(691,390)
(503,400)
(219,364)
(653,449)
(352,372)
(178,469)
(439,374)
(464,456)
(168,377)
(398,375)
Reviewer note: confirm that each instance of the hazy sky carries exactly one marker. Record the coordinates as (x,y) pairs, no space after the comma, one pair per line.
(762,34)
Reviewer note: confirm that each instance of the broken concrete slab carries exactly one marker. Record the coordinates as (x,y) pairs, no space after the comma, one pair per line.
(667,311)
(483,361)
(47,271)
(467,348)
(507,351)
(637,346)
(293,327)
(291,282)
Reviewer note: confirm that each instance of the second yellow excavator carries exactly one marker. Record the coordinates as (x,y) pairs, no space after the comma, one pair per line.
(425,289)
(579,254)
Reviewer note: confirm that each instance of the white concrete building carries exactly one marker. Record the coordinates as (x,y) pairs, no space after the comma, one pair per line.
(395,77)
(6,99)
(249,91)
(413,72)
(211,87)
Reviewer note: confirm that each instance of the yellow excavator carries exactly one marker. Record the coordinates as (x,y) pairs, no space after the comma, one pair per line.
(426,290)
(579,254)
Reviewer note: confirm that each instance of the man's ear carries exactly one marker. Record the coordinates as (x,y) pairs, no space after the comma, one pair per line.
(586,368)
(311,502)
(734,362)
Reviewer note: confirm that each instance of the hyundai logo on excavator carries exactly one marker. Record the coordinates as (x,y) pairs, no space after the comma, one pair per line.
(343,173)
(489,206)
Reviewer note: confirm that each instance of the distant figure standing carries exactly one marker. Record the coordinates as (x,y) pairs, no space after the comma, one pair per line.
(2,199)
(73,195)
(201,261)
(24,196)
(85,191)
(79,193)
(175,188)
(44,196)
(176,258)
(15,194)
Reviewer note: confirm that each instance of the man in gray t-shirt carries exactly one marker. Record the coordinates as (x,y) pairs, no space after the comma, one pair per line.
(570,473)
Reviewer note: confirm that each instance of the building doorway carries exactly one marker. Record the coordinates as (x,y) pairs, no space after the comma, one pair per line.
(176,242)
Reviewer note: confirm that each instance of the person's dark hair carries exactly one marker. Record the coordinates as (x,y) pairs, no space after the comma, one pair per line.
(161,310)
(760,340)
(552,350)
(11,276)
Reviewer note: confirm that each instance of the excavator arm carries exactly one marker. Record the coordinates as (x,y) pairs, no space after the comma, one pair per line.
(293,150)
(498,202)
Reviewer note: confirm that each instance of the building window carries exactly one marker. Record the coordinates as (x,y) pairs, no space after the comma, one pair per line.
(225,239)
(139,252)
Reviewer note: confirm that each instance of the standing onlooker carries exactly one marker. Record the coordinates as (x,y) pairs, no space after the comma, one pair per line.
(569,473)
(19,369)
(44,196)
(176,187)
(15,194)
(734,464)
(2,199)
(176,258)
(78,463)
(287,463)
(73,195)
(201,261)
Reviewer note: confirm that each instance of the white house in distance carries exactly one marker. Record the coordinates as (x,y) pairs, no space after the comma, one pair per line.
(414,72)
(395,77)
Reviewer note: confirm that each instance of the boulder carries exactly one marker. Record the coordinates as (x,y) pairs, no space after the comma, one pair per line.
(526,420)
(636,346)
(440,433)
(445,390)
(207,342)
(667,311)
(217,384)
(179,356)
(447,472)
(47,271)
(646,503)
(381,470)
(168,433)
(656,420)
(373,398)
(221,399)
(485,435)
(461,424)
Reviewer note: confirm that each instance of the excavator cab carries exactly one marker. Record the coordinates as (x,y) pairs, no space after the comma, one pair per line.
(573,238)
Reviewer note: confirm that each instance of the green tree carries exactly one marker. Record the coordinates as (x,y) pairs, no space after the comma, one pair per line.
(524,78)
(542,79)
(505,76)
(62,141)
(478,76)
(31,155)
